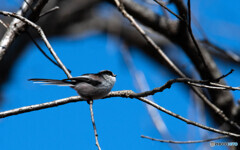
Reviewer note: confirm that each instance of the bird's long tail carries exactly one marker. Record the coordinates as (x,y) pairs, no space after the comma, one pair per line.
(52,82)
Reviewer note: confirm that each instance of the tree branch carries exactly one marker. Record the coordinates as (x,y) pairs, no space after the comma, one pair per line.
(125,94)
(93,123)
(184,142)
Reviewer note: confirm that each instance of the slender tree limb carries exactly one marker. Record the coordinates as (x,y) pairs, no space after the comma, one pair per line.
(193,38)
(42,51)
(94,125)
(49,11)
(161,4)
(191,82)
(4,24)
(230,55)
(40,106)
(184,142)
(125,94)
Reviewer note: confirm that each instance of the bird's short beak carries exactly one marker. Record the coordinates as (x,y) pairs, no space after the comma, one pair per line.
(114,75)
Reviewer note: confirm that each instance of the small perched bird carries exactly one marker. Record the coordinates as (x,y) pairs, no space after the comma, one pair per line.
(88,86)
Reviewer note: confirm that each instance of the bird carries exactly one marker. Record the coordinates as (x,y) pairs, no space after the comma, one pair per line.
(89,86)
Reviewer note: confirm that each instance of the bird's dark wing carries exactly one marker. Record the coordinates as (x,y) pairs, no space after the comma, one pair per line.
(83,78)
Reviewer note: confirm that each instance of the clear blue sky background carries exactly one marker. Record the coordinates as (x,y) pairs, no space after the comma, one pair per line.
(120,122)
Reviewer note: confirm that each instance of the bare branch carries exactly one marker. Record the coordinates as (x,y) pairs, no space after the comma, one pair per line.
(94,125)
(40,106)
(4,24)
(230,55)
(42,51)
(184,142)
(161,4)
(49,11)
(199,83)
(125,94)
(193,38)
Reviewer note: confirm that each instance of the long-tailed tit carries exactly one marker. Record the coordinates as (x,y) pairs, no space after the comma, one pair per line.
(88,86)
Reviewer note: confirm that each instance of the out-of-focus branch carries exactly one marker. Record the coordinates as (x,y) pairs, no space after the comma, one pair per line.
(49,11)
(218,51)
(4,24)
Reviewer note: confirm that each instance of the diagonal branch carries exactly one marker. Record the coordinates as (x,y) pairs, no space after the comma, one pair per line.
(93,123)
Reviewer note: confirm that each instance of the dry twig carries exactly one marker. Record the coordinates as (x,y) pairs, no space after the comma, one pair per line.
(4,24)
(184,142)
(94,125)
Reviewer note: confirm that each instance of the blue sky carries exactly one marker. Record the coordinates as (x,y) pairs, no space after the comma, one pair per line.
(120,122)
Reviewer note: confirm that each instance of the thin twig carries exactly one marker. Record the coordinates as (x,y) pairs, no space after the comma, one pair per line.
(49,11)
(94,125)
(43,36)
(228,54)
(193,38)
(29,5)
(179,17)
(184,142)
(35,107)
(199,83)
(171,64)
(188,26)
(125,94)
(4,24)
(42,51)
(223,76)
